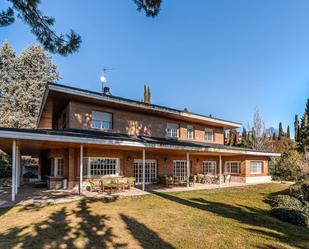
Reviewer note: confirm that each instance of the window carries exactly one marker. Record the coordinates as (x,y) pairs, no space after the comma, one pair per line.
(57,166)
(210,167)
(190,132)
(102,120)
(150,171)
(208,135)
(180,169)
(101,166)
(172,130)
(232,167)
(256,167)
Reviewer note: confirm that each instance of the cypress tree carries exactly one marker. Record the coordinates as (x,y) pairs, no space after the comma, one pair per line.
(149,95)
(274,137)
(288,132)
(296,128)
(281,134)
(145,94)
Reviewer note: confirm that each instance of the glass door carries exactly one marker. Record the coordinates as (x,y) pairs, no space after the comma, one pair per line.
(150,171)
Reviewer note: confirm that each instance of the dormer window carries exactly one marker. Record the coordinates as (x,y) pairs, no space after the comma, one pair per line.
(102,120)
(190,132)
(172,130)
(209,135)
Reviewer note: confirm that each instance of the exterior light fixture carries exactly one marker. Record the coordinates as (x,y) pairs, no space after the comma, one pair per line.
(129,158)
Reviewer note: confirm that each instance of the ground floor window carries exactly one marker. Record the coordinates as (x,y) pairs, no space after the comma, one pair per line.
(101,166)
(209,167)
(232,167)
(150,171)
(256,167)
(57,166)
(180,169)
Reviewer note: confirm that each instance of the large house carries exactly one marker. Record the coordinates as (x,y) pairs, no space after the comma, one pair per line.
(82,134)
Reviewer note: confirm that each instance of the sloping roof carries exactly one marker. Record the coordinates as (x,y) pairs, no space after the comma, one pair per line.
(129,102)
(99,137)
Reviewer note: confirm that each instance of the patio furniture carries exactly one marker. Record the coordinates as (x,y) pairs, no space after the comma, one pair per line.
(208,179)
(166,180)
(192,179)
(199,178)
(108,183)
(94,185)
(215,180)
(130,182)
(176,180)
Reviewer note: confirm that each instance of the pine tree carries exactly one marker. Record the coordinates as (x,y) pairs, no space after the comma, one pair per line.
(149,95)
(32,70)
(296,128)
(281,133)
(233,137)
(288,132)
(304,132)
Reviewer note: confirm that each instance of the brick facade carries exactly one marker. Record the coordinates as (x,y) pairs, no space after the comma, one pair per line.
(134,123)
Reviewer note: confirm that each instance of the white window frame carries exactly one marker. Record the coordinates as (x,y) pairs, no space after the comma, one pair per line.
(55,167)
(191,129)
(257,172)
(228,170)
(101,123)
(183,169)
(87,167)
(212,135)
(170,132)
(212,164)
(150,177)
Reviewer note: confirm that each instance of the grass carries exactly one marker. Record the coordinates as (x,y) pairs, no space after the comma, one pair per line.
(222,218)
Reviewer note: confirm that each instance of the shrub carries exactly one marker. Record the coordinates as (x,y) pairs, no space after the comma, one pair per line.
(285,201)
(300,191)
(294,216)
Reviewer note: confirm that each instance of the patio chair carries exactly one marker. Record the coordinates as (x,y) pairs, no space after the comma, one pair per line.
(176,181)
(208,179)
(93,185)
(108,183)
(199,178)
(227,178)
(215,180)
(130,182)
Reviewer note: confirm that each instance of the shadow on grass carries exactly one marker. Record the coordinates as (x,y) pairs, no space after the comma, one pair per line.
(147,238)
(90,231)
(259,219)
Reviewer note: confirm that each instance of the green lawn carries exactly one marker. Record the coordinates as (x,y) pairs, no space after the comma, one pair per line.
(223,218)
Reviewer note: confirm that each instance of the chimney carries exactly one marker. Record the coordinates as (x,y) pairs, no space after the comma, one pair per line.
(106,91)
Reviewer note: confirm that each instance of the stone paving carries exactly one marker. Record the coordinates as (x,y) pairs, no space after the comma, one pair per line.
(28,195)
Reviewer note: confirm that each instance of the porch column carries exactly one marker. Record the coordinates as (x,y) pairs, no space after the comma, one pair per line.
(188,169)
(81,169)
(13,169)
(17,168)
(220,170)
(144,167)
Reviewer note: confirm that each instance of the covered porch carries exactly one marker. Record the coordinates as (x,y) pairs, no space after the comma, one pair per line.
(70,160)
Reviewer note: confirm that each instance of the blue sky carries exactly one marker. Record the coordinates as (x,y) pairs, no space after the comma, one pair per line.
(213,57)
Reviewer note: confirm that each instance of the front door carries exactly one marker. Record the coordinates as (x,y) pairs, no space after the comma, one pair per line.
(150,171)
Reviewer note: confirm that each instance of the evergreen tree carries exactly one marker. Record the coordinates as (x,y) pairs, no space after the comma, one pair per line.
(42,26)
(296,128)
(281,133)
(23,84)
(274,137)
(304,133)
(149,95)
(145,94)
(233,137)
(288,135)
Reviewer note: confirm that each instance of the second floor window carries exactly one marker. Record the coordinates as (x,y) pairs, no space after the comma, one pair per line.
(172,130)
(101,120)
(209,135)
(190,132)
